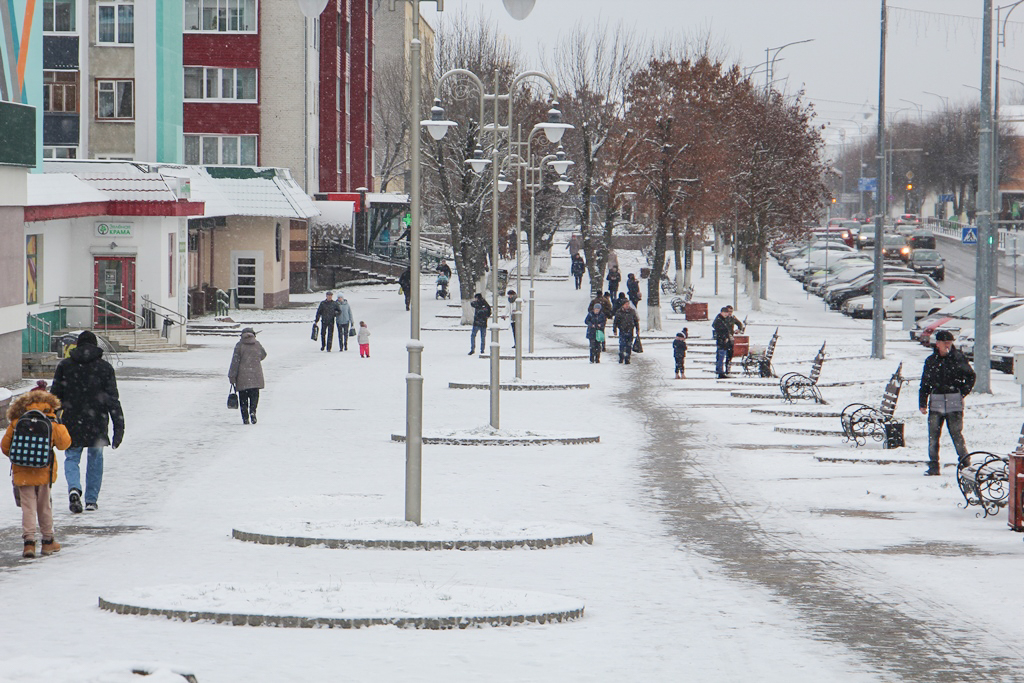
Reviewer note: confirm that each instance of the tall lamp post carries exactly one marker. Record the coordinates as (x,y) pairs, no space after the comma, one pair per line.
(553,130)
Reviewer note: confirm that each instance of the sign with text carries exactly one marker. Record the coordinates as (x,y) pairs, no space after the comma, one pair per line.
(867,184)
(107,229)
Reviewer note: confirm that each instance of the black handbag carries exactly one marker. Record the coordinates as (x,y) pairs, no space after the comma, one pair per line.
(637,346)
(313,333)
(352,331)
(232,399)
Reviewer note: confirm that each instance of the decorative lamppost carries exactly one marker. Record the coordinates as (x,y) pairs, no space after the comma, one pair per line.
(553,129)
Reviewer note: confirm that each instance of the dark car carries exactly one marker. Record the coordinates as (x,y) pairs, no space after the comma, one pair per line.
(921,239)
(840,297)
(892,245)
(929,262)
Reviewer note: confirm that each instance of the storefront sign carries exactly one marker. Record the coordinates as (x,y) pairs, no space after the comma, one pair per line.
(113,230)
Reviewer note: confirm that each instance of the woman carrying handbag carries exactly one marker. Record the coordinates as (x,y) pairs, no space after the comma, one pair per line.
(246,374)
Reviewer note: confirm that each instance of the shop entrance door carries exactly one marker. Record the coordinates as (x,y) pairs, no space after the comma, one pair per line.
(114,303)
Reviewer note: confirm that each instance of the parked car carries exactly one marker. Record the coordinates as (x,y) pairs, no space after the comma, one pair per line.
(866,288)
(927,300)
(926,326)
(929,262)
(964,320)
(866,237)
(1005,319)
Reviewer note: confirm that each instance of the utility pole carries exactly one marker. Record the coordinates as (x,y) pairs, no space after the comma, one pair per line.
(983,281)
(877,321)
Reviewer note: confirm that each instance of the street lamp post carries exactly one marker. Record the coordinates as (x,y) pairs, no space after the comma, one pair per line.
(553,129)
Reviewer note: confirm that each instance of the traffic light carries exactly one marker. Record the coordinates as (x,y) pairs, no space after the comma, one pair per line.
(910,187)
(833,200)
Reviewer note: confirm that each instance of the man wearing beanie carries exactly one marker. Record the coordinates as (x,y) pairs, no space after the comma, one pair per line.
(87,389)
(946,379)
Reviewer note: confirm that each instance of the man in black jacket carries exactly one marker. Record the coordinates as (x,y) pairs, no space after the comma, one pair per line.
(326,312)
(481,313)
(625,324)
(87,389)
(723,328)
(946,380)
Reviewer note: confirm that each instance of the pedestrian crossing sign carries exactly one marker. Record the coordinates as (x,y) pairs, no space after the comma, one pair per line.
(969,235)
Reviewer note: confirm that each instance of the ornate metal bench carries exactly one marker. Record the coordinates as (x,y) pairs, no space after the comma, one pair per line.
(679,302)
(984,480)
(795,385)
(861,421)
(761,363)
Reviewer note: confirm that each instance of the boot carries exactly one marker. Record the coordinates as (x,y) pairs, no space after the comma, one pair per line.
(30,549)
(50,546)
(75,500)
(933,469)
(253,417)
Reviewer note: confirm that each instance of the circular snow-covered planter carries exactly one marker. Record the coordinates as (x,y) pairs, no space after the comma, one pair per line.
(344,605)
(396,534)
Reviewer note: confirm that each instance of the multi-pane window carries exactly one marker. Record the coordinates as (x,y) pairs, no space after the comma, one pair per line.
(212,83)
(216,150)
(59,16)
(224,16)
(115,23)
(60,152)
(115,99)
(60,92)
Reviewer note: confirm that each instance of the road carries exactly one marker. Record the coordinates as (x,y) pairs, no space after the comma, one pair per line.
(960,270)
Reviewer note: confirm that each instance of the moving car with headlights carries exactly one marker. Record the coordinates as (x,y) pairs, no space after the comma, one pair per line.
(926,300)
(892,246)
(929,262)
(866,236)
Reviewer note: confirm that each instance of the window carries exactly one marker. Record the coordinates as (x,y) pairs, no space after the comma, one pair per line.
(60,92)
(212,83)
(222,16)
(59,16)
(60,152)
(115,100)
(115,23)
(215,150)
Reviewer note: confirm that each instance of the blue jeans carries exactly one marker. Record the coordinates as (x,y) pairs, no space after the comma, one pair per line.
(721,358)
(93,472)
(625,347)
(482,329)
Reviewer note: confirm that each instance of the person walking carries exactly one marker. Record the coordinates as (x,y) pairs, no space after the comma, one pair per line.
(723,329)
(679,352)
(344,321)
(32,484)
(574,245)
(481,314)
(947,378)
(246,373)
(614,279)
(363,337)
(444,269)
(512,296)
(625,323)
(595,322)
(579,267)
(326,312)
(633,289)
(87,389)
(618,301)
(405,286)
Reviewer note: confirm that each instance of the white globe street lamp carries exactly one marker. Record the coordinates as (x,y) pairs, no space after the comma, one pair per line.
(562,184)
(437,125)
(479,162)
(560,164)
(519,9)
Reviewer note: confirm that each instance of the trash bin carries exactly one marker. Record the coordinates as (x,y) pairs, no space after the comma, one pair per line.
(165,332)
(502,280)
(695,311)
(1015,499)
(740,345)
(894,435)
(645,272)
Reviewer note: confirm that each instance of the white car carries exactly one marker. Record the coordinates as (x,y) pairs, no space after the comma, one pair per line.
(927,299)
(1005,326)
(1005,345)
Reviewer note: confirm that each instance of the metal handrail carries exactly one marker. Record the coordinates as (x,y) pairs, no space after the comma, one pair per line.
(134,319)
(39,330)
(168,313)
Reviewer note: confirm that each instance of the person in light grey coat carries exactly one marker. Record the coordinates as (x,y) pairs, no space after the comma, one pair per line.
(246,373)
(344,320)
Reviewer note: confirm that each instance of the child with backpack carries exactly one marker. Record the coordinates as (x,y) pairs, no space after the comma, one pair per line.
(364,340)
(679,352)
(29,441)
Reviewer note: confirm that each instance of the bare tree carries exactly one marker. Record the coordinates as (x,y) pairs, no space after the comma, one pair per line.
(593,66)
(390,121)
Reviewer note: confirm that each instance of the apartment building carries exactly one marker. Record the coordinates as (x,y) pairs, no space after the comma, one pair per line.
(112,79)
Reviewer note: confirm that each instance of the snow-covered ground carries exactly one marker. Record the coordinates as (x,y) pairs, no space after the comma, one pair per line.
(659,605)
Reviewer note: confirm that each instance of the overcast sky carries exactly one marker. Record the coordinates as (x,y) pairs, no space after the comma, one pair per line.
(934,45)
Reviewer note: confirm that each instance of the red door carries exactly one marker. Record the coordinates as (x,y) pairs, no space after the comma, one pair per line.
(114,303)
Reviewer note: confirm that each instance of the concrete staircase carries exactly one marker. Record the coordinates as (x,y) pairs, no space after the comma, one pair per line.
(138,340)
(213,328)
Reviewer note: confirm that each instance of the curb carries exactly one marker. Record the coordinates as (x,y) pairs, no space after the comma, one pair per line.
(519,387)
(393,544)
(511,441)
(747,394)
(793,413)
(876,461)
(434,623)
(580,356)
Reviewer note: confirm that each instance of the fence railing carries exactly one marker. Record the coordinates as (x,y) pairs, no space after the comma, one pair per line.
(110,310)
(954,229)
(40,334)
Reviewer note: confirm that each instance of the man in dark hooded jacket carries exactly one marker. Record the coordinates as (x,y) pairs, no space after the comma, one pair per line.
(87,389)
(947,378)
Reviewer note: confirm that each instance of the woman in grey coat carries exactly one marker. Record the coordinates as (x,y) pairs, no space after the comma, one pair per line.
(343,321)
(246,373)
